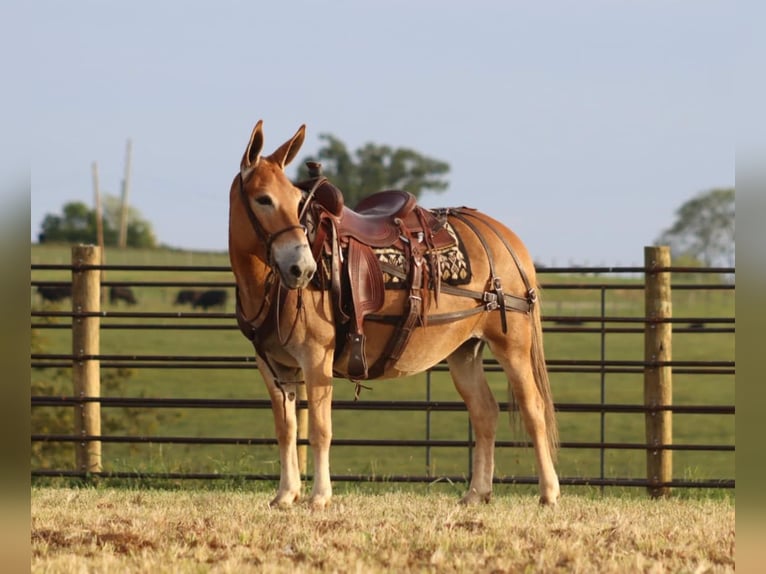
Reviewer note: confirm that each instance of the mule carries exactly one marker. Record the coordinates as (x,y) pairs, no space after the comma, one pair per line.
(294,319)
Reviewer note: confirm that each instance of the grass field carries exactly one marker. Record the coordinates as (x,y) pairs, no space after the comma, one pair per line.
(619,388)
(108,530)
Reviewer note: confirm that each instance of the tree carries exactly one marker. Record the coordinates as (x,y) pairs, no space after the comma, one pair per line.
(77,224)
(704,229)
(375,167)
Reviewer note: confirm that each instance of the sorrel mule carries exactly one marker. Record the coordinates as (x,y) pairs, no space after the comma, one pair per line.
(294,318)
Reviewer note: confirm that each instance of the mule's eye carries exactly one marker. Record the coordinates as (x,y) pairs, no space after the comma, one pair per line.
(264,200)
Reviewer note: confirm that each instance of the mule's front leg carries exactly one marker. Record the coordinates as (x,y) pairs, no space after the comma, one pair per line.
(320,436)
(286,426)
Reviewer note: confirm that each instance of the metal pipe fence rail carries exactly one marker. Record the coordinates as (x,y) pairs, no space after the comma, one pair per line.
(658,480)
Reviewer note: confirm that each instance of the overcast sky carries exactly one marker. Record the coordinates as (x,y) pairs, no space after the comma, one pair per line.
(581,125)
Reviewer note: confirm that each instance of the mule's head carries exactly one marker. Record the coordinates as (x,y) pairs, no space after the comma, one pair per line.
(263,211)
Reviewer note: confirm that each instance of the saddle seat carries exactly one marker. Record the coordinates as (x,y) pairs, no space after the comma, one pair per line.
(374,220)
(385,204)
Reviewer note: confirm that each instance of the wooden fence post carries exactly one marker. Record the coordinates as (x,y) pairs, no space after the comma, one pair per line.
(658,379)
(86,291)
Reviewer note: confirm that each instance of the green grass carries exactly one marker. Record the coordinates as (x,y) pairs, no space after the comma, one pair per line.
(623,388)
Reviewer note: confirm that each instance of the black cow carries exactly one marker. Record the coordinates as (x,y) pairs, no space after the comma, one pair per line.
(211,298)
(121,293)
(187,296)
(54,293)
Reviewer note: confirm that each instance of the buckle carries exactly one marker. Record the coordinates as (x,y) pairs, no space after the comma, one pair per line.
(491,301)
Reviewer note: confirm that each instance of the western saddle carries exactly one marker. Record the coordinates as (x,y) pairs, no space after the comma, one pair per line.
(343,243)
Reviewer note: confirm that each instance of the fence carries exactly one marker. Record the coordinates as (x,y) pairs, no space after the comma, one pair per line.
(657,367)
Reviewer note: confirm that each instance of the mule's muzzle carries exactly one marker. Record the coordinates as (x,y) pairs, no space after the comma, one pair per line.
(299,277)
(296,266)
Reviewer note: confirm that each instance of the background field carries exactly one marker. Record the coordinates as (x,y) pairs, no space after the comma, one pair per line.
(623,388)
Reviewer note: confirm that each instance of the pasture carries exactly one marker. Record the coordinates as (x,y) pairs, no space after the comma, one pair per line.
(107,530)
(568,387)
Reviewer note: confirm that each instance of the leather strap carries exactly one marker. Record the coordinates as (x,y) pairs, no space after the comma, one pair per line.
(494,279)
(522,305)
(435,319)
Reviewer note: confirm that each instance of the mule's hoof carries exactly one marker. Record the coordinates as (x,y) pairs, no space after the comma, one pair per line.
(472,497)
(549,501)
(319,502)
(284,500)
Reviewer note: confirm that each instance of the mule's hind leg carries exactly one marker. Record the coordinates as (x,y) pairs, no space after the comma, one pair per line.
(467,371)
(515,360)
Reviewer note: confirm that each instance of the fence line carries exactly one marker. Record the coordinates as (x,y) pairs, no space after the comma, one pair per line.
(657,368)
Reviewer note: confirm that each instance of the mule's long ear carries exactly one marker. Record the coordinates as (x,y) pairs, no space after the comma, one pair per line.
(288,150)
(254,147)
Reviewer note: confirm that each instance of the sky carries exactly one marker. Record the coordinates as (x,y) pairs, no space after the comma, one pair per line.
(583,126)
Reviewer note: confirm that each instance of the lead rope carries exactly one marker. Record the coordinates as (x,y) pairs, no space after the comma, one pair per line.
(282,342)
(261,353)
(298,310)
(299,305)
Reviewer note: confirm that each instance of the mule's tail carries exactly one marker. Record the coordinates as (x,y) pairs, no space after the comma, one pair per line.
(541,379)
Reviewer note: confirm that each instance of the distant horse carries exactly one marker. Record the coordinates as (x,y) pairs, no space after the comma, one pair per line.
(317,301)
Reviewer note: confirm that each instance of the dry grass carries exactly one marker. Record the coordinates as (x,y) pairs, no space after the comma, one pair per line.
(104,530)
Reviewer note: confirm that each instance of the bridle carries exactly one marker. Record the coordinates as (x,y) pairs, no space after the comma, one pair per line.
(262,234)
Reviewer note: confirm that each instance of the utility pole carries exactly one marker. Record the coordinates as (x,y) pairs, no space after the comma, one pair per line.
(99,210)
(123,237)
(99,219)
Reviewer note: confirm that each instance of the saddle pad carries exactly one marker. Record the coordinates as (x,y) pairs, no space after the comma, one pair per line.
(453,262)
(454,265)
